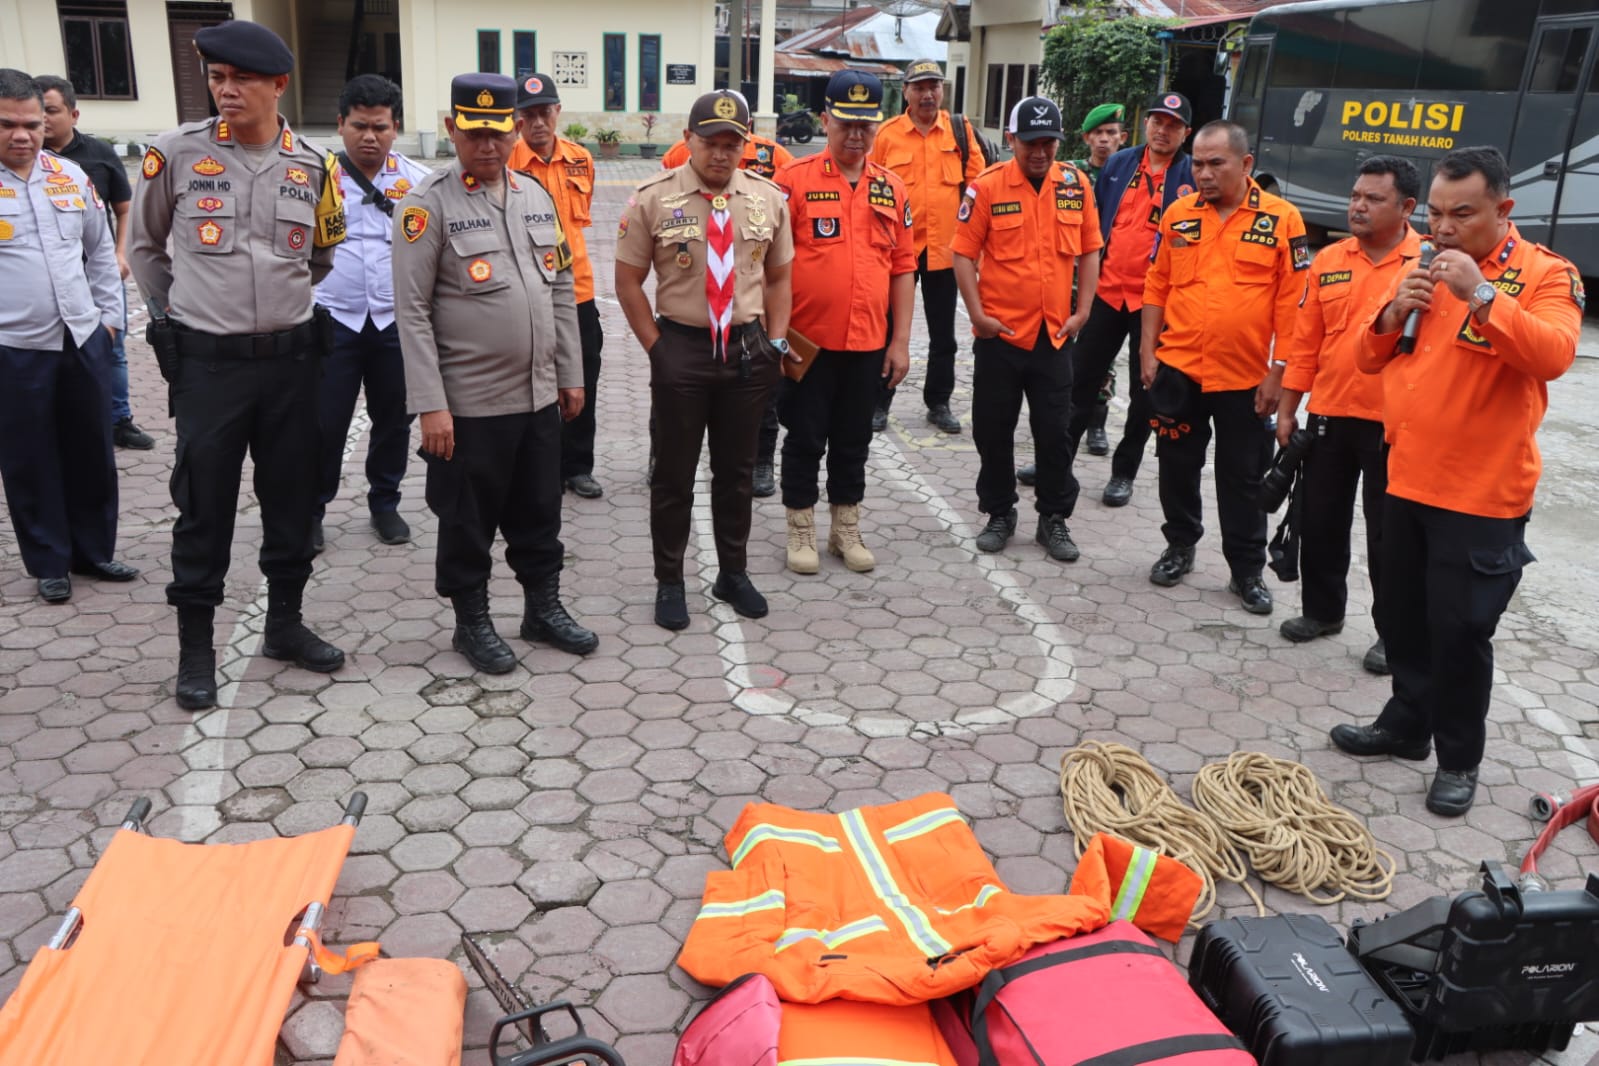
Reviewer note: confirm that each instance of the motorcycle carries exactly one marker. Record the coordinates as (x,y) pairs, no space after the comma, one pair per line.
(798,126)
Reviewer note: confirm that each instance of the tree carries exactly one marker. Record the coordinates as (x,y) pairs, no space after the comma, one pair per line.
(1097,59)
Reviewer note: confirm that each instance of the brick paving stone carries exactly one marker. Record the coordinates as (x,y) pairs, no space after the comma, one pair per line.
(558,883)
(642,1002)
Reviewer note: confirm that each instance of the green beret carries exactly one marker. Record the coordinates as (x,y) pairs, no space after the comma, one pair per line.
(1102,114)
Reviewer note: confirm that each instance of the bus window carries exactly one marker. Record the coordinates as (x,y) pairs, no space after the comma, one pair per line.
(1559,61)
(1477,46)
(1382,46)
(1306,50)
(1250,89)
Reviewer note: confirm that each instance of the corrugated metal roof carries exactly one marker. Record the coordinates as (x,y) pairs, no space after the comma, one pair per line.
(805,65)
(868,34)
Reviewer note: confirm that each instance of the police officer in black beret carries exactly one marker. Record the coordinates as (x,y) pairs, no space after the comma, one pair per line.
(252,213)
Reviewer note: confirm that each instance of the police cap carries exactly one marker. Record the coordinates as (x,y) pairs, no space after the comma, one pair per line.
(855,96)
(483,102)
(536,90)
(720,112)
(245,45)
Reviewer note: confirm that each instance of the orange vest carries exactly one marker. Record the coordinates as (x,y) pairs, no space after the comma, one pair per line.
(569,179)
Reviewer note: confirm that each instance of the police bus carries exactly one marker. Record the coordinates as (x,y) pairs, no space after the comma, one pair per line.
(1324,84)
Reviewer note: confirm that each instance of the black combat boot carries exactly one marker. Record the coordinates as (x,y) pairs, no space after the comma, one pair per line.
(545,619)
(475,637)
(196,689)
(286,637)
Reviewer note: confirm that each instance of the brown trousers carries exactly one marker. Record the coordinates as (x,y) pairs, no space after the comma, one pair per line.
(695,395)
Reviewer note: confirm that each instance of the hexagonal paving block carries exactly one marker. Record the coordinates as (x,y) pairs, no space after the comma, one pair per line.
(630,902)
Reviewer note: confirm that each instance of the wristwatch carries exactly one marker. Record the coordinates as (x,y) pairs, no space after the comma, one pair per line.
(781,344)
(1482,296)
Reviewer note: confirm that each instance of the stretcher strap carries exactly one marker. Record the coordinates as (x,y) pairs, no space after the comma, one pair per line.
(356,955)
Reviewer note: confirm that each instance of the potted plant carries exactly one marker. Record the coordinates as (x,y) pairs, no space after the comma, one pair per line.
(646,149)
(610,142)
(575,131)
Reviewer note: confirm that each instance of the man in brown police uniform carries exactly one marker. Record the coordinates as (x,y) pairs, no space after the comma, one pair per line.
(718,240)
(252,212)
(493,365)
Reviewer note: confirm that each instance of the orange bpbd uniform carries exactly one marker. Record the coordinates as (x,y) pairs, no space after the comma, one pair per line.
(1227,287)
(568,176)
(1345,289)
(930,166)
(1132,238)
(762,155)
(1462,411)
(1026,244)
(848,243)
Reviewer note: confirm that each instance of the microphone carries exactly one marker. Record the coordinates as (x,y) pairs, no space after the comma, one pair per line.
(1407,339)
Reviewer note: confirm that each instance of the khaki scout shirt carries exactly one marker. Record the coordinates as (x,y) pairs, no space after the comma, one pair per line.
(483,297)
(248,244)
(664,225)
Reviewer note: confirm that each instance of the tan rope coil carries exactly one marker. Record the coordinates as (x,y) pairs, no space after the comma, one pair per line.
(1295,837)
(1110,788)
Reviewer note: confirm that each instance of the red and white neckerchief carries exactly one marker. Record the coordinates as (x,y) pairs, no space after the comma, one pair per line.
(719,277)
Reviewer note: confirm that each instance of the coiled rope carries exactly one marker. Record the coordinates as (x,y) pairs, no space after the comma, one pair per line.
(1275,811)
(1110,788)
(1272,810)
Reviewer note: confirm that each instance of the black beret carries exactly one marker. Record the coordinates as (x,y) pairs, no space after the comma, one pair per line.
(246,45)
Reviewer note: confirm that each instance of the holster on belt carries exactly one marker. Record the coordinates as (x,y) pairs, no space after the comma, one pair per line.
(321,331)
(163,340)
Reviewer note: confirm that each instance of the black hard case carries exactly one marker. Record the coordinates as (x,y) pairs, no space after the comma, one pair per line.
(1288,987)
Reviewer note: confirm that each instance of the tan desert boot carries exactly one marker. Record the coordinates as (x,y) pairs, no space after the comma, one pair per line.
(802,557)
(844,538)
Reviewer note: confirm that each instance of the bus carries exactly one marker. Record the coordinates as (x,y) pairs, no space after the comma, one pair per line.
(1324,84)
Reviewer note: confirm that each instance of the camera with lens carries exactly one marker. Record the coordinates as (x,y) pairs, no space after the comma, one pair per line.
(1275,486)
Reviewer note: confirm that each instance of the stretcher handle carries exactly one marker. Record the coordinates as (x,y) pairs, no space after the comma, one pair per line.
(554,1051)
(354,809)
(137,814)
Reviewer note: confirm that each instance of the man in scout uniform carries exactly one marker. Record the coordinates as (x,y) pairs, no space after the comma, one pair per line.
(493,366)
(718,239)
(1102,134)
(104,166)
(854,266)
(1348,281)
(61,301)
(566,170)
(252,212)
(765,157)
(1227,278)
(359,294)
(1499,319)
(921,146)
(1027,227)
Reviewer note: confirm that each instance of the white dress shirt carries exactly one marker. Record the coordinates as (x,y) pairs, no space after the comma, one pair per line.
(362,282)
(57,258)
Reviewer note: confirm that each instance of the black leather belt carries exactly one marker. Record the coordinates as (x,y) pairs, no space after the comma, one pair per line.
(192,344)
(750,329)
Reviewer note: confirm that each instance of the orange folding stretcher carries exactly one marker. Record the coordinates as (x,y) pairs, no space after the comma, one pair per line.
(180,954)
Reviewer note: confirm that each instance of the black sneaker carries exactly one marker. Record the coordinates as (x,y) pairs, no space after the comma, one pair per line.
(1304,628)
(879,419)
(942,418)
(765,480)
(1027,473)
(736,589)
(1376,659)
(1056,538)
(671,611)
(391,528)
(585,486)
(1252,593)
(1098,443)
(998,532)
(124,434)
(1173,563)
(1117,492)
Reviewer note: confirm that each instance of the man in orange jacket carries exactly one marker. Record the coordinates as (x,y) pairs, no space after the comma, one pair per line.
(1348,282)
(1025,227)
(1497,319)
(566,170)
(854,272)
(922,147)
(1227,277)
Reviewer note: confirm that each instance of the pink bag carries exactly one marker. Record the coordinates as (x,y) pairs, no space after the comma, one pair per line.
(738,1027)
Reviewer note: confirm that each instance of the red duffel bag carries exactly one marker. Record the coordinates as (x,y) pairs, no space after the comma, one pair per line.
(1106,998)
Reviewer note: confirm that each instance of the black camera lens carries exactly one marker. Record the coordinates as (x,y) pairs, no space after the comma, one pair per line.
(1279,480)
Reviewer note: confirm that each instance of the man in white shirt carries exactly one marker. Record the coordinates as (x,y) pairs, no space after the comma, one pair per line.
(61,300)
(359,293)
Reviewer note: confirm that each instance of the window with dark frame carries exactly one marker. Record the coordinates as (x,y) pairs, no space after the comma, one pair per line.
(994,98)
(959,106)
(649,72)
(98,49)
(1014,73)
(524,53)
(615,60)
(488,51)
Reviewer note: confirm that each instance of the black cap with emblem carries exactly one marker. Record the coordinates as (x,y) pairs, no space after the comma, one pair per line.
(720,112)
(1035,118)
(536,90)
(483,102)
(245,45)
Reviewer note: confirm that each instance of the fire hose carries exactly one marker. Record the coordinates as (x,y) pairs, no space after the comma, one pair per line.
(1559,811)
